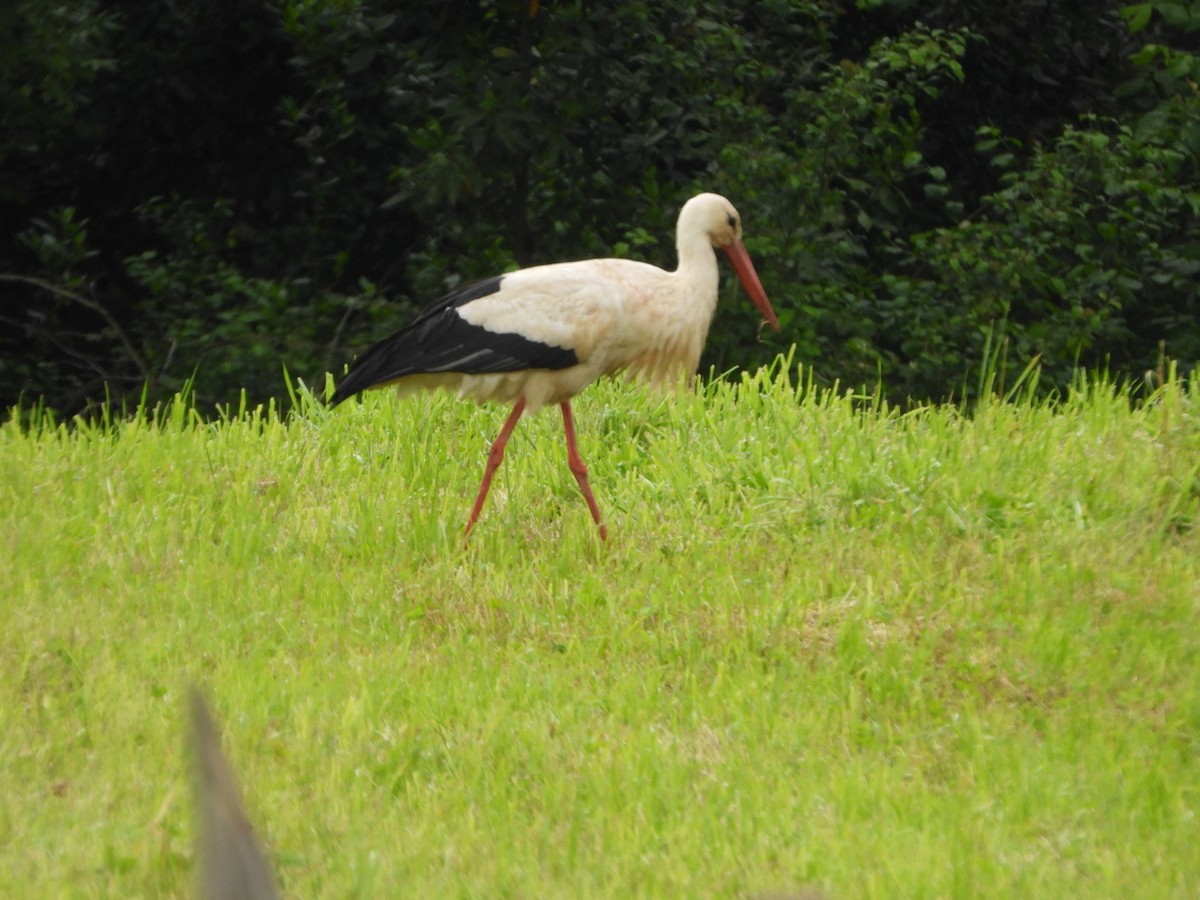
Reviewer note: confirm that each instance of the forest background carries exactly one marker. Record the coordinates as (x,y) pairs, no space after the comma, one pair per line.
(204,192)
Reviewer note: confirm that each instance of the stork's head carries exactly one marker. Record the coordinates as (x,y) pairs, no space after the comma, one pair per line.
(713,215)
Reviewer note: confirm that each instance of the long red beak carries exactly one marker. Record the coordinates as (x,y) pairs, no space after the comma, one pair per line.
(745,270)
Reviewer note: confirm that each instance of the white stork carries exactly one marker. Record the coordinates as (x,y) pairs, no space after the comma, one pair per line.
(541,335)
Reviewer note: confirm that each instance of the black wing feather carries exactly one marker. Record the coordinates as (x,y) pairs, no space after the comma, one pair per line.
(440,340)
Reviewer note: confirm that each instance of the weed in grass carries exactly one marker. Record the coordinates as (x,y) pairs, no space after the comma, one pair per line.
(231,864)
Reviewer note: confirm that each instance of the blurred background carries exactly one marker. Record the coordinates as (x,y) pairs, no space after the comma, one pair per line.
(208,191)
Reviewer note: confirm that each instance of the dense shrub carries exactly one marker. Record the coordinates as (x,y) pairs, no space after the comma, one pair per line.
(221,189)
(1087,256)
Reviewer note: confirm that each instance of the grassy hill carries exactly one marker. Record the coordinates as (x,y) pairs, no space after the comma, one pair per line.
(828,645)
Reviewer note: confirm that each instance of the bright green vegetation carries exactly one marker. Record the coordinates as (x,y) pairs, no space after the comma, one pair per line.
(828,645)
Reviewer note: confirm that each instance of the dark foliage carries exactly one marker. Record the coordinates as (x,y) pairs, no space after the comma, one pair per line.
(221,189)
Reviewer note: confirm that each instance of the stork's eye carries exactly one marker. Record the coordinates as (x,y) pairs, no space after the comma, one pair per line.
(732,220)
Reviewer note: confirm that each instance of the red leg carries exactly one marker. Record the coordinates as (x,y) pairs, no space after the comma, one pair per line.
(579,469)
(495,457)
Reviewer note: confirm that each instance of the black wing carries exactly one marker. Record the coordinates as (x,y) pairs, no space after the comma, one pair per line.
(440,340)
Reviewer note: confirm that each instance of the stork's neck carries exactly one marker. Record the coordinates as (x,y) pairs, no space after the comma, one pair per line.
(698,267)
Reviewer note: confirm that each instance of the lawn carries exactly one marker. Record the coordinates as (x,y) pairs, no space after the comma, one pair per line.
(829,645)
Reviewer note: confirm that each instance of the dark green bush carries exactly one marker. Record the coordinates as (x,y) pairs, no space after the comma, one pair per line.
(221,189)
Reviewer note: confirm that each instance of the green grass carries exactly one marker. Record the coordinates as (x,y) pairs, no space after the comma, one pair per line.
(828,645)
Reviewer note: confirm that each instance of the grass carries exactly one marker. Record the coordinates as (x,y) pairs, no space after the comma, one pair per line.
(828,645)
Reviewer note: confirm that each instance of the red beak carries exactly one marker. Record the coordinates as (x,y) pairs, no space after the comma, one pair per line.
(745,270)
